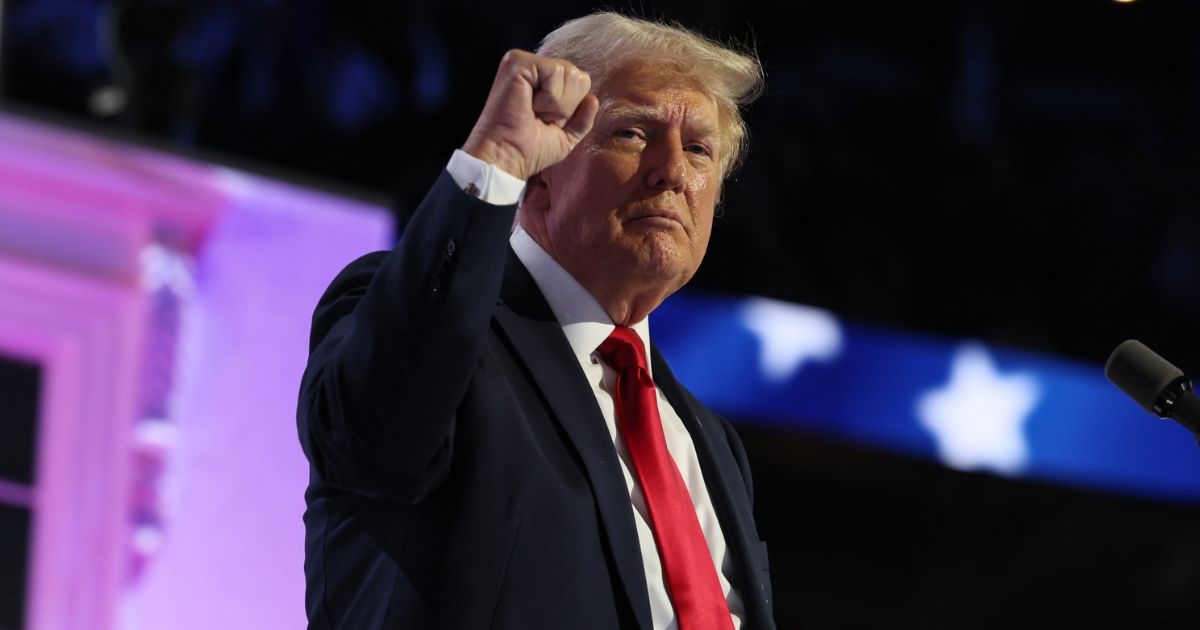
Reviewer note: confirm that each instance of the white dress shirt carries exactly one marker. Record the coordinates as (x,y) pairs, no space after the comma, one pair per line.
(586,325)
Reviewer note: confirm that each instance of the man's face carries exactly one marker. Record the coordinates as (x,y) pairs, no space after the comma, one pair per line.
(633,203)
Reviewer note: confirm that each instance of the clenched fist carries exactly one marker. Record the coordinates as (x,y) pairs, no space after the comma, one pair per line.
(538,110)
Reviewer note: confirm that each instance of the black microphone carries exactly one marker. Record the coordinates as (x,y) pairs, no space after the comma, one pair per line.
(1152,382)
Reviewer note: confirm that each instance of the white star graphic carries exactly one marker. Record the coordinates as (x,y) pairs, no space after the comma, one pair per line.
(789,334)
(977,418)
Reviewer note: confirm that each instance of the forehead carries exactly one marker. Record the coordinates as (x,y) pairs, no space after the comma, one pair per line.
(657,91)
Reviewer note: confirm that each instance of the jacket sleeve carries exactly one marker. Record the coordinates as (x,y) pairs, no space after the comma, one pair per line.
(394,342)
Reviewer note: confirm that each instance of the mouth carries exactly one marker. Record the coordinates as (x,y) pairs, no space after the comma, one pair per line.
(662,217)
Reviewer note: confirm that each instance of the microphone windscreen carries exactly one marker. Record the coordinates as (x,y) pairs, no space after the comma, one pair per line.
(1140,373)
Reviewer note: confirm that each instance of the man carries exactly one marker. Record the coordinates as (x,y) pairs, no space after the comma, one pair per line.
(489,445)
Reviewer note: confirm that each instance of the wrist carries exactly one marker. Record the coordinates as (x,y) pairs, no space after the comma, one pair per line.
(500,155)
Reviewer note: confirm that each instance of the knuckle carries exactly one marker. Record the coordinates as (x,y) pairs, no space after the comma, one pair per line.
(579,77)
(513,57)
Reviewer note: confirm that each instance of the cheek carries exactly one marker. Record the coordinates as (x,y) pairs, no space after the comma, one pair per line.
(703,182)
(704,230)
(593,174)
(702,196)
(615,171)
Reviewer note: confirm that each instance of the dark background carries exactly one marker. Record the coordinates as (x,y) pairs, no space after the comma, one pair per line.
(1022,171)
(1018,171)
(20,388)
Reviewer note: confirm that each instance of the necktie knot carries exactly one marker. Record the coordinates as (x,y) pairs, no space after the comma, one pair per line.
(623,349)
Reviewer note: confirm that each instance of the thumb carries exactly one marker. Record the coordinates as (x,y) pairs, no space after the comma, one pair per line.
(581,121)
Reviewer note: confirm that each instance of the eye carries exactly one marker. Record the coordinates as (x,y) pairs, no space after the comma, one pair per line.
(628,134)
(696,149)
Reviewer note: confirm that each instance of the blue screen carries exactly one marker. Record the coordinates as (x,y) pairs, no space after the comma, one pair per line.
(969,405)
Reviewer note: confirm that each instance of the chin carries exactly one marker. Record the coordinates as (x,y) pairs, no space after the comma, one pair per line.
(666,263)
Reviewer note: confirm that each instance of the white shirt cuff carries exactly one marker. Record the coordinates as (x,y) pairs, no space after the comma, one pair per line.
(488,182)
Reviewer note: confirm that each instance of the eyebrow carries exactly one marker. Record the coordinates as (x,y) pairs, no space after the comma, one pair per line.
(651,114)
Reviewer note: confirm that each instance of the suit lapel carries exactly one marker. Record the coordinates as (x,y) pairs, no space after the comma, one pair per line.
(721,473)
(538,340)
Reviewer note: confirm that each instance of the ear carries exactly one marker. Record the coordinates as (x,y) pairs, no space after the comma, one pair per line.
(537,194)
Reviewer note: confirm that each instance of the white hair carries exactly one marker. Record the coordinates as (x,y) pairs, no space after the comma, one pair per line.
(604,42)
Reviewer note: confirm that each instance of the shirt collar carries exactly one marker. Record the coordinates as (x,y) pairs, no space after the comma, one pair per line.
(585,323)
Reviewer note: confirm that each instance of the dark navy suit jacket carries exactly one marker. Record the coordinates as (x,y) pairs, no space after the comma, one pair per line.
(461,472)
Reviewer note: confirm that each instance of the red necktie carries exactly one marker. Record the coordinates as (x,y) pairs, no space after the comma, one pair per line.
(686,562)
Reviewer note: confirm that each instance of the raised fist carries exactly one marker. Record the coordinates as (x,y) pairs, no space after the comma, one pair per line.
(538,110)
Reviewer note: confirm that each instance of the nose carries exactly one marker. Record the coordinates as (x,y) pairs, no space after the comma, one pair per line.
(668,165)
